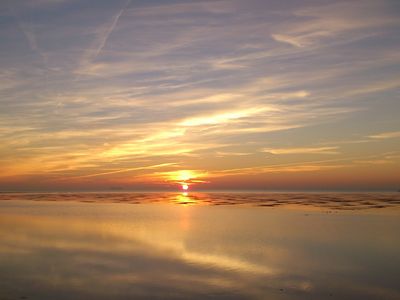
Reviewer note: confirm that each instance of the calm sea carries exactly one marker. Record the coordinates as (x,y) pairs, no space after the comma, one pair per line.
(200,246)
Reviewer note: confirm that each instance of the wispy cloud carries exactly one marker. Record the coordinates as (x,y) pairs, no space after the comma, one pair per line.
(375,161)
(303,166)
(385,135)
(31,39)
(210,86)
(314,150)
(227,153)
(223,117)
(122,171)
(325,22)
(288,39)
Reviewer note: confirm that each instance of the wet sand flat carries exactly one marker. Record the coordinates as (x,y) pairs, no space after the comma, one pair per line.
(199,246)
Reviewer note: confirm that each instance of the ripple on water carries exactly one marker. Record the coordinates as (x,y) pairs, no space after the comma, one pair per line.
(329,201)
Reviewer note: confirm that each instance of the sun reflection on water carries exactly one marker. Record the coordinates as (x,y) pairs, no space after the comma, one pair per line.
(185,199)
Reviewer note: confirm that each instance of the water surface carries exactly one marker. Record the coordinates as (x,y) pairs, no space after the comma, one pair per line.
(185,246)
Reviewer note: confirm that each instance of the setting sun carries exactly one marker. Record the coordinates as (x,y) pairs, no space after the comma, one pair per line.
(185,187)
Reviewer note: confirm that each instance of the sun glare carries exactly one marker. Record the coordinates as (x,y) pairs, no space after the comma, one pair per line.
(184,179)
(185,175)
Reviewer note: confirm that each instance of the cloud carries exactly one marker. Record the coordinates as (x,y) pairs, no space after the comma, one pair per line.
(324,22)
(375,87)
(375,162)
(168,10)
(213,99)
(284,168)
(288,39)
(314,150)
(227,153)
(385,135)
(223,117)
(32,39)
(306,166)
(180,82)
(124,170)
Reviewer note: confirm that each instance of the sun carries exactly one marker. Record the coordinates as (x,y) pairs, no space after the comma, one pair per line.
(185,187)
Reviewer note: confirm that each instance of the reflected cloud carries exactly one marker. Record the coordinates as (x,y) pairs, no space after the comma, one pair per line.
(113,249)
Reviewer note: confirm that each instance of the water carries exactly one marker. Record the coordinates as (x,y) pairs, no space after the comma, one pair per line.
(187,246)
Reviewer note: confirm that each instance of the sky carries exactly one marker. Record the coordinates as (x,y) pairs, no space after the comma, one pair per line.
(217,95)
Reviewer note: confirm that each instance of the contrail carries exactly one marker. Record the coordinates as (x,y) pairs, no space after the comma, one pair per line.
(110,29)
